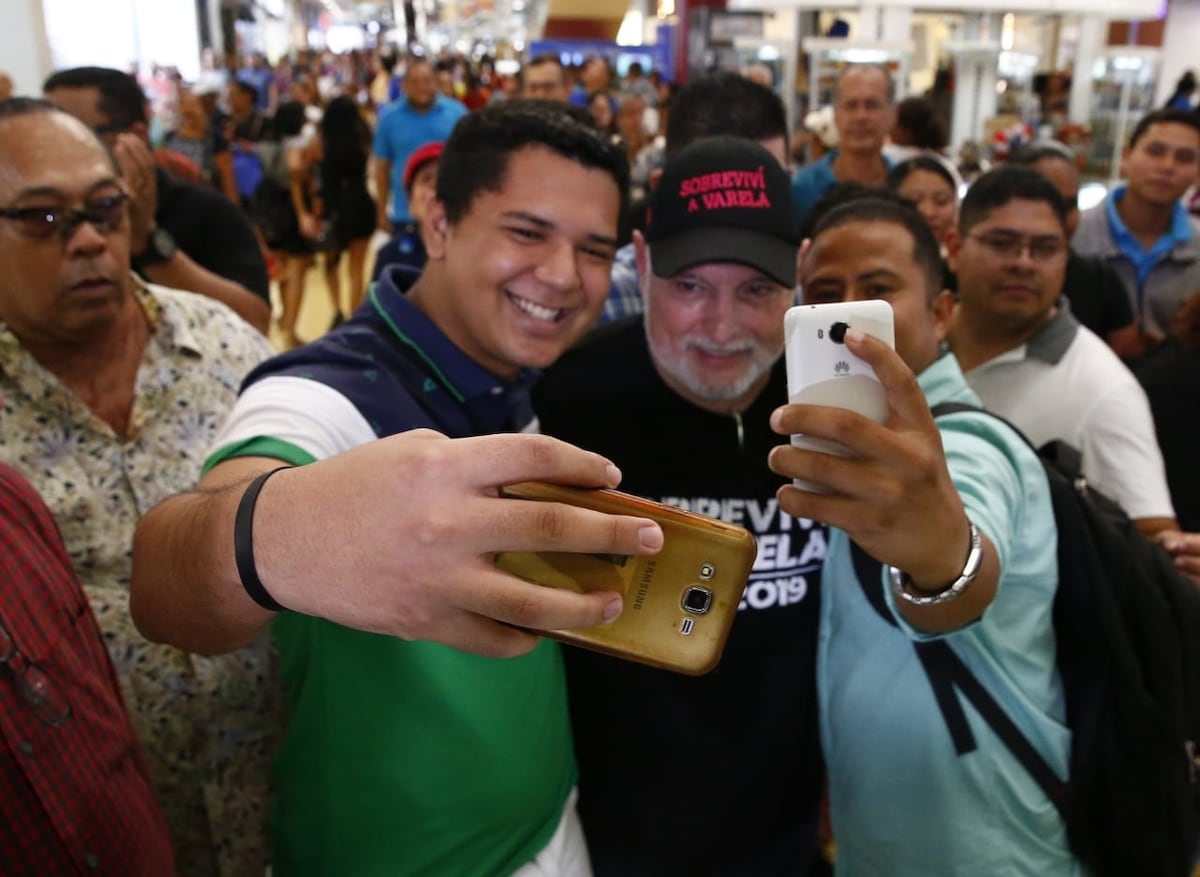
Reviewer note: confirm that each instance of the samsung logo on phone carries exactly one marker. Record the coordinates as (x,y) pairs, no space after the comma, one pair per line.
(644,584)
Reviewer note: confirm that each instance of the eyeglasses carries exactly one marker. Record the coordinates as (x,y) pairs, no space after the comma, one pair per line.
(105,214)
(1011,246)
(34,685)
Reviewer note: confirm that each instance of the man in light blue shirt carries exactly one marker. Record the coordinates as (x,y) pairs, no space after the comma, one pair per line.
(961,509)
(1142,229)
(423,116)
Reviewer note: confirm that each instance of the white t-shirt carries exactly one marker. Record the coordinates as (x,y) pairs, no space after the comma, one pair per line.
(1067,384)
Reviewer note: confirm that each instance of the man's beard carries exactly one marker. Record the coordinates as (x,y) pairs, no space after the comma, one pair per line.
(680,367)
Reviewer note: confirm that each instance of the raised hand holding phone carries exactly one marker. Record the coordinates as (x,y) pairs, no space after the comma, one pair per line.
(821,369)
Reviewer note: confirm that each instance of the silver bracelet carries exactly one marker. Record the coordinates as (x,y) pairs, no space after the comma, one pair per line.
(902,587)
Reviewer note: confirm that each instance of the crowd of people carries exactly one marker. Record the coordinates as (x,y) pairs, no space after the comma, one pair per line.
(251,615)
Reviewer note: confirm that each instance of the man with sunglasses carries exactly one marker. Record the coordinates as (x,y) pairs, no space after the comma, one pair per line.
(1031,362)
(183,236)
(74,793)
(113,393)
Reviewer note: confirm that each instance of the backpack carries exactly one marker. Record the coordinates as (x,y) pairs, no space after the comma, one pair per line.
(1127,625)
(270,206)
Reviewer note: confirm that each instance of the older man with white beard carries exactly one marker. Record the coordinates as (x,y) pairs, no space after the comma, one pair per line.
(680,400)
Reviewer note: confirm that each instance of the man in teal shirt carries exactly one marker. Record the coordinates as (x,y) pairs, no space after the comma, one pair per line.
(961,509)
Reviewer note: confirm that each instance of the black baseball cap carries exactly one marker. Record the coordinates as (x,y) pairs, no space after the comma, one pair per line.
(724,199)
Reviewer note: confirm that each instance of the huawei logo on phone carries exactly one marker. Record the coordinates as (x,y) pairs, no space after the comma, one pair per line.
(842,367)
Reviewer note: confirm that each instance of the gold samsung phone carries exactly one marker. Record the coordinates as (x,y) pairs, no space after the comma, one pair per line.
(679,603)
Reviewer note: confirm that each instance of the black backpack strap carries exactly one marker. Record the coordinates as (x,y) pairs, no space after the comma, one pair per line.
(938,658)
(941,662)
(870,577)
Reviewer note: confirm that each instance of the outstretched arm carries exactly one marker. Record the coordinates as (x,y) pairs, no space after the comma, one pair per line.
(395,537)
(895,497)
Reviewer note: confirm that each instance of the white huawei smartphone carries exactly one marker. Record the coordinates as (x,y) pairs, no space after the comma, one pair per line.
(821,370)
(679,603)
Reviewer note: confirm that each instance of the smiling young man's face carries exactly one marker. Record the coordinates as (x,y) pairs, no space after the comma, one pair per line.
(526,270)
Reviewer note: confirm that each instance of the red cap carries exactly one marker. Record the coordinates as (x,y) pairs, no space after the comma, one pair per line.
(425,154)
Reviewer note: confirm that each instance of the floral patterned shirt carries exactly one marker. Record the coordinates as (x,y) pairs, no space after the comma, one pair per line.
(207,725)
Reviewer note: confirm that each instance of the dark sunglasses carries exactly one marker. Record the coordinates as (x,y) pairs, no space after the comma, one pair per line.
(105,214)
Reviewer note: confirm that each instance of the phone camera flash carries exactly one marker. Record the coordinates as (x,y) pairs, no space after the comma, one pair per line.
(837,333)
(697,600)
(707,571)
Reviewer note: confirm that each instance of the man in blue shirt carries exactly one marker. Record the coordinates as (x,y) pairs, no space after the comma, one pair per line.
(423,116)
(961,509)
(258,74)
(1143,229)
(862,112)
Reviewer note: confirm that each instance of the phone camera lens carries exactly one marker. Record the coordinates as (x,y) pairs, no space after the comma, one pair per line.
(837,333)
(697,600)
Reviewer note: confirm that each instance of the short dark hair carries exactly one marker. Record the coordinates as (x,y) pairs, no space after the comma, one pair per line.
(899,173)
(121,98)
(921,118)
(247,89)
(1010,183)
(835,196)
(545,58)
(724,104)
(1190,118)
(476,155)
(289,119)
(1041,150)
(874,208)
(14,107)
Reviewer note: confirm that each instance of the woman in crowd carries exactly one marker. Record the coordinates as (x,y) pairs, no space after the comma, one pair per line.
(342,217)
(599,106)
(282,161)
(919,128)
(198,140)
(928,183)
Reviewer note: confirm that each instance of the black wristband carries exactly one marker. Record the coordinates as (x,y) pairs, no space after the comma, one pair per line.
(243,544)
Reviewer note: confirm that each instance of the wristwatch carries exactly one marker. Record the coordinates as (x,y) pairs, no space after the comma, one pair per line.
(902,587)
(160,247)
